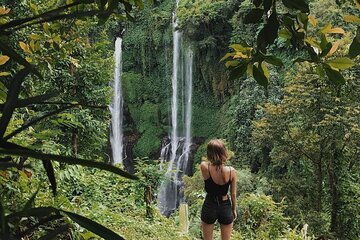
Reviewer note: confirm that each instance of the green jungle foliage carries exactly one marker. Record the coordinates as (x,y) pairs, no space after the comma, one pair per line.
(147,81)
(285,97)
(294,130)
(71,53)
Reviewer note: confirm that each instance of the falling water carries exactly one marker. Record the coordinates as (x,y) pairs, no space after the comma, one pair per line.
(176,149)
(188,106)
(116,108)
(174,100)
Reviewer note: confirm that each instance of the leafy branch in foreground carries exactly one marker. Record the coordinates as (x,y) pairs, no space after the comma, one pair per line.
(294,30)
(47,214)
(11,89)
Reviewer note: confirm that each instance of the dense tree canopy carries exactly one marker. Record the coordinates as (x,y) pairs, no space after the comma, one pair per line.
(278,79)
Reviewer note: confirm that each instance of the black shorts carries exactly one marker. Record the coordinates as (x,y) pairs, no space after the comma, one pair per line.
(214,208)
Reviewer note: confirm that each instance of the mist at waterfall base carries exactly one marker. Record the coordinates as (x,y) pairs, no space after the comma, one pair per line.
(176,149)
(116,107)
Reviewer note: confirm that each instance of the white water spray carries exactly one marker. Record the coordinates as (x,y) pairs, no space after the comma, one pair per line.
(116,107)
(188,106)
(177,151)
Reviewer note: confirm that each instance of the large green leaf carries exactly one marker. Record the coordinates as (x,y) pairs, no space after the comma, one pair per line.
(35,212)
(288,21)
(227,55)
(50,174)
(324,42)
(238,71)
(302,19)
(31,201)
(320,71)
(93,226)
(285,33)
(267,5)
(67,160)
(260,76)
(354,49)
(52,213)
(341,63)
(254,16)
(273,60)
(232,64)
(268,33)
(35,121)
(238,47)
(326,49)
(297,4)
(314,57)
(334,76)
(6,49)
(12,98)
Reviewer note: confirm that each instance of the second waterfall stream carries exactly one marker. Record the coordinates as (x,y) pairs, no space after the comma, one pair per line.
(176,150)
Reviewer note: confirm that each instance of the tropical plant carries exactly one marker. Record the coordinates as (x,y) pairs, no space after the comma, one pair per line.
(313,129)
(14,96)
(290,22)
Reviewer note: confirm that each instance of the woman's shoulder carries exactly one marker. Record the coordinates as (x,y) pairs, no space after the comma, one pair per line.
(232,172)
(204,165)
(204,169)
(232,168)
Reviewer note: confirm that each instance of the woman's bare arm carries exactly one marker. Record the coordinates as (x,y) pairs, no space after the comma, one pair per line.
(233,191)
(204,169)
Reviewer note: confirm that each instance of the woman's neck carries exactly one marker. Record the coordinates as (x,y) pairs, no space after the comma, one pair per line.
(218,167)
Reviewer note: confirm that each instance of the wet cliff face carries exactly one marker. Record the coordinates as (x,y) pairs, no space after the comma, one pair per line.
(146,79)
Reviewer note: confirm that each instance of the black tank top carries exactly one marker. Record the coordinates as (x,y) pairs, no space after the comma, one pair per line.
(215,189)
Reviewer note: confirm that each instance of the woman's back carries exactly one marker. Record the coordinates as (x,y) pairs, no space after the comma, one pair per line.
(217,179)
(220,175)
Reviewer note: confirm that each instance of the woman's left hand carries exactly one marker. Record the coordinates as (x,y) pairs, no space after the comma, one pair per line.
(235,214)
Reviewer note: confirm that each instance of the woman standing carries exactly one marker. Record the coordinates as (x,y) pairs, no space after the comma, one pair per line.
(218,178)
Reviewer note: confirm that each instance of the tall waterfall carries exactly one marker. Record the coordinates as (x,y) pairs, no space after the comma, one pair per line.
(116,107)
(188,106)
(177,150)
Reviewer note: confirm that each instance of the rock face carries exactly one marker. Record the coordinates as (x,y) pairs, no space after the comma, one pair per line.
(172,97)
(130,141)
(131,136)
(171,191)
